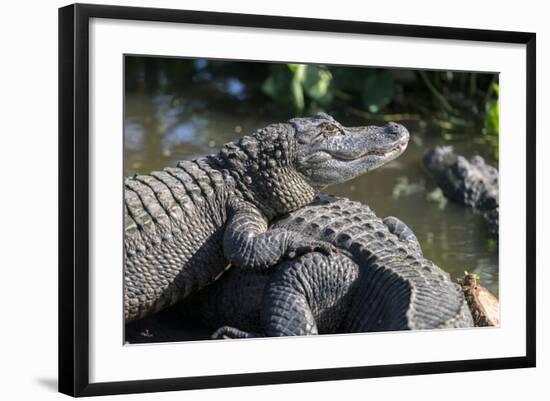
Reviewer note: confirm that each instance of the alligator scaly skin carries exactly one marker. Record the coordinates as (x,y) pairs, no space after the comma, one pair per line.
(378,281)
(174,227)
(472,182)
(185,224)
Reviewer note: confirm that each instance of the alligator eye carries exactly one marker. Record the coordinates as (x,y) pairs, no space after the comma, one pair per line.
(329,129)
(326,130)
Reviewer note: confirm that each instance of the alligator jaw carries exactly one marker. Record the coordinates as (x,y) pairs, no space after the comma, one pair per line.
(392,153)
(345,153)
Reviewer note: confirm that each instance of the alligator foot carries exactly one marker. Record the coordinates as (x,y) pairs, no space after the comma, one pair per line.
(228,332)
(308,295)
(403,232)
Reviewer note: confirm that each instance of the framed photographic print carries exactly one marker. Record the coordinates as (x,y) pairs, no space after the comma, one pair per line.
(250,199)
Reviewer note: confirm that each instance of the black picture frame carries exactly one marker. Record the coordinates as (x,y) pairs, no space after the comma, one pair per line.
(74,198)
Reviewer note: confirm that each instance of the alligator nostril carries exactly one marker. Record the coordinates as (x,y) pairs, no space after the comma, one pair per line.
(395,126)
(395,129)
(392,128)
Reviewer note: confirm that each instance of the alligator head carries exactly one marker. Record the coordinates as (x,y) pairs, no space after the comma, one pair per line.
(329,153)
(281,167)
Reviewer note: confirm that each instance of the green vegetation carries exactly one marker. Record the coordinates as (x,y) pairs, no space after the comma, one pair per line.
(455,103)
(491,118)
(298,85)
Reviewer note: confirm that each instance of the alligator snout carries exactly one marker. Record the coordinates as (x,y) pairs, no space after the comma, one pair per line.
(396,131)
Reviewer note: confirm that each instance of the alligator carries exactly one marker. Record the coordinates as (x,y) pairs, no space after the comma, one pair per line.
(185,224)
(472,182)
(378,281)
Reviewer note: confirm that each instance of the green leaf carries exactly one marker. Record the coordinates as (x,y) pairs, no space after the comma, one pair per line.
(293,84)
(284,85)
(277,85)
(269,87)
(492,244)
(317,83)
(297,96)
(299,74)
(378,91)
(491,118)
(350,80)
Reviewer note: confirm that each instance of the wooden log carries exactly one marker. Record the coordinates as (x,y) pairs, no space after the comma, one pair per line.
(483,305)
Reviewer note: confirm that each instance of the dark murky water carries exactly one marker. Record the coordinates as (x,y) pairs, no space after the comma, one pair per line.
(161,129)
